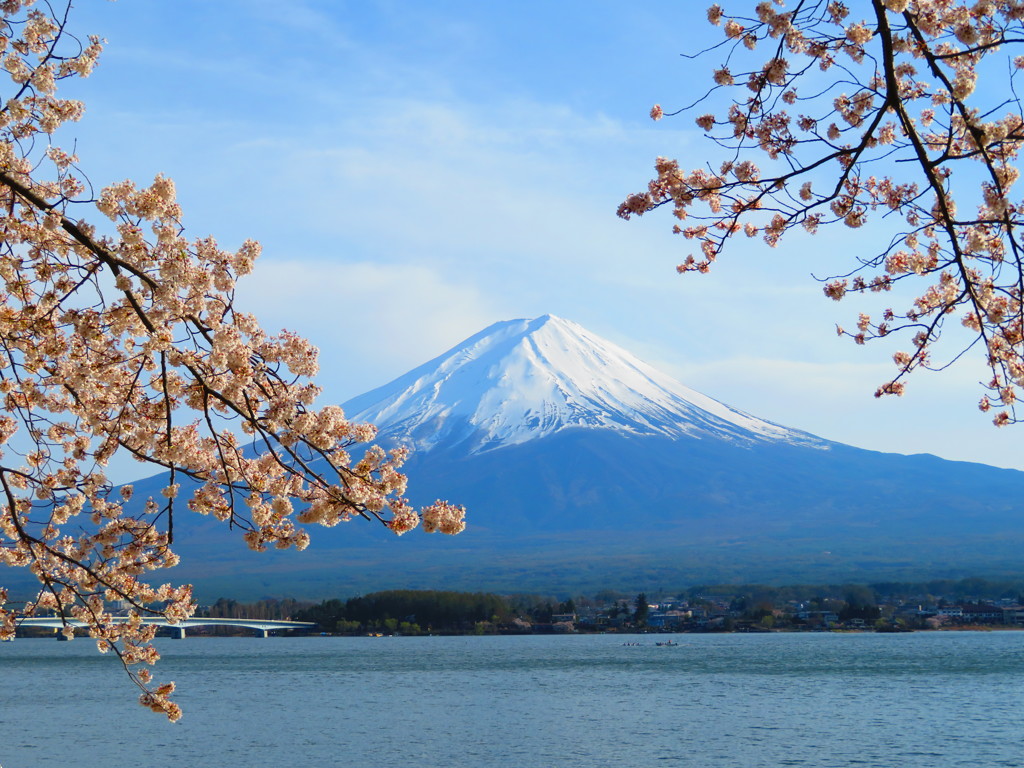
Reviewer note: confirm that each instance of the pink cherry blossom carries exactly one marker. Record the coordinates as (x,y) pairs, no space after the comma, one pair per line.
(119,334)
(898,126)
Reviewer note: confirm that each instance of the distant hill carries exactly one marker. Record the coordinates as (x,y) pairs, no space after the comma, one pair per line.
(585,468)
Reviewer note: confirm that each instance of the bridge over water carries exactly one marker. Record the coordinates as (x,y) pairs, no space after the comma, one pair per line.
(261,627)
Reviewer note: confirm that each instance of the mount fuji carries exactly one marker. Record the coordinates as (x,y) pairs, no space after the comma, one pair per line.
(583,467)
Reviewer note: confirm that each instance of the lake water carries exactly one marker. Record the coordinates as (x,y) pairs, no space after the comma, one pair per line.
(924,700)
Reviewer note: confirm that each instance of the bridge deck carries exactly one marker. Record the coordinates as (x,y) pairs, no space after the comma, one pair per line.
(263,626)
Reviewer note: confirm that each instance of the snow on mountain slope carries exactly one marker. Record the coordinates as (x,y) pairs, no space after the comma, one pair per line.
(521,380)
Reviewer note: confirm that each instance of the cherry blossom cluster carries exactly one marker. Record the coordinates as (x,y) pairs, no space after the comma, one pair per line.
(901,113)
(120,335)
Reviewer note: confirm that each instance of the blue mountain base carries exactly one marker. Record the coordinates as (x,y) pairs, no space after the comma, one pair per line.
(584,510)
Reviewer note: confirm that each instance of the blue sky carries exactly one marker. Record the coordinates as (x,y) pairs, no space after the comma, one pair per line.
(417,171)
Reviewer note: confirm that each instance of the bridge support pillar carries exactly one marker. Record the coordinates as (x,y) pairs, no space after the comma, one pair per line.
(263,633)
(178,633)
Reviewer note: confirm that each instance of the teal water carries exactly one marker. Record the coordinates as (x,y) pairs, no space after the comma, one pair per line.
(742,701)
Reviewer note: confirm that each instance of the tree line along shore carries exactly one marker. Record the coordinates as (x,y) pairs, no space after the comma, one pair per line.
(895,606)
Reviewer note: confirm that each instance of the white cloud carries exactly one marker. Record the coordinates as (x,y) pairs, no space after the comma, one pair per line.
(372,322)
(938,414)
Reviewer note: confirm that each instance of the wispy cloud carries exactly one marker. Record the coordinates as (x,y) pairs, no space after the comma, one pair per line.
(369,320)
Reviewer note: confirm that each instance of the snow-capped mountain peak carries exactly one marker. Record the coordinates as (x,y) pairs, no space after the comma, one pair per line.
(521,380)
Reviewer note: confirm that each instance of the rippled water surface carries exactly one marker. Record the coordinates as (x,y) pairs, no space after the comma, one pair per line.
(817,700)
